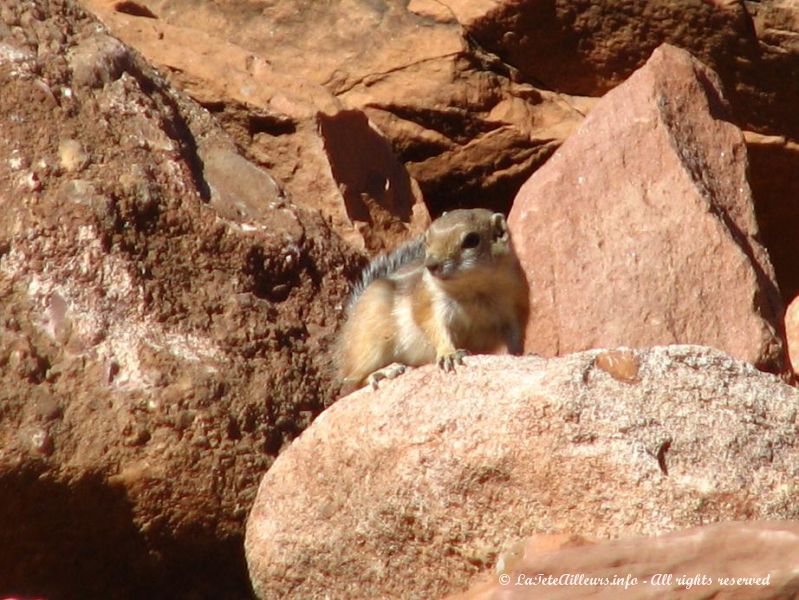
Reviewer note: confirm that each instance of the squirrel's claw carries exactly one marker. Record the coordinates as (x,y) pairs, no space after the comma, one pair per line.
(390,372)
(448,361)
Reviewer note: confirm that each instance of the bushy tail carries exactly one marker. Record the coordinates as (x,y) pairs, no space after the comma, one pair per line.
(385,265)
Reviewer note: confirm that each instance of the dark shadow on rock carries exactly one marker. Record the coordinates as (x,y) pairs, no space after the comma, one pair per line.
(365,167)
(77,539)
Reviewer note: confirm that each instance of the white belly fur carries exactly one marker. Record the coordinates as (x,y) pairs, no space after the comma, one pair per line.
(412,346)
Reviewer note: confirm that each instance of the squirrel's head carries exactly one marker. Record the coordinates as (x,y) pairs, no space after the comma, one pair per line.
(462,240)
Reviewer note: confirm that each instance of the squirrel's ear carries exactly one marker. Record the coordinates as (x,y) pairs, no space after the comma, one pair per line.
(499,227)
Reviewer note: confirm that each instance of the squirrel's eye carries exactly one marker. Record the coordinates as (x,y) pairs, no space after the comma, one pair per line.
(470,240)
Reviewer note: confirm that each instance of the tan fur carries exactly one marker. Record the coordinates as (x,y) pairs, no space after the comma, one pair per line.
(461,298)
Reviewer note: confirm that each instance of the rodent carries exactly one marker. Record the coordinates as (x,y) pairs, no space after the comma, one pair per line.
(459,289)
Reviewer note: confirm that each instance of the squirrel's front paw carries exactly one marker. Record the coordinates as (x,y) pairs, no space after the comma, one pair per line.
(448,361)
(390,372)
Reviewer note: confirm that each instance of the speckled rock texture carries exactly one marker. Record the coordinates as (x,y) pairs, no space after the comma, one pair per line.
(738,560)
(162,326)
(792,333)
(411,491)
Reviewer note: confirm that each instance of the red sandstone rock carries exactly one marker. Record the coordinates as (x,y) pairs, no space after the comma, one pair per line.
(588,48)
(286,122)
(465,129)
(468,133)
(744,561)
(583,47)
(767,93)
(459,110)
(640,230)
(413,490)
(792,333)
(773,164)
(164,319)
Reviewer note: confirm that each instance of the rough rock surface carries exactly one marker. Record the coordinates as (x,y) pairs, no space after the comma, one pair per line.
(588,47)
(766,89)
(658,242)
(465,129)
(471,93)
(412,490)
(792,333)
(744,561)
(774,159)
(288,124)
(162,327)
(773,164)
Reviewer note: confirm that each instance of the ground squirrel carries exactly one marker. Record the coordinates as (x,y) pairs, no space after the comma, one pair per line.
(458,289)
